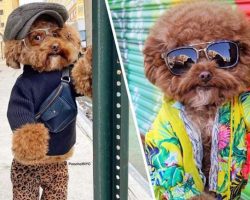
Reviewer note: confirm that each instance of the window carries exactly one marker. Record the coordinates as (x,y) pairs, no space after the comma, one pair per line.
(1,12)
(2,24)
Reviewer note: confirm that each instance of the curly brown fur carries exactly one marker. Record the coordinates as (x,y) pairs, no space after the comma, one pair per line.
(186,24)
(42,57)
(61,158)
(12,50)
(30,145)
(82,74)
(30,142)
(48,159)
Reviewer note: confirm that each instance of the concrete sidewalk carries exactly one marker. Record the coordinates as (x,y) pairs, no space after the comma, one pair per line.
(80,165)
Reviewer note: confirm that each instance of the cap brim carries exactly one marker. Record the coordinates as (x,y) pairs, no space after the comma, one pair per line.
(29,23)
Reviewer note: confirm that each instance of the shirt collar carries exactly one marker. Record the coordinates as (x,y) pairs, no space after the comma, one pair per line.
(178,105)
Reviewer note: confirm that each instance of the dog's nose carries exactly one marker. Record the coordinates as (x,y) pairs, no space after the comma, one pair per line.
(205,76)
(55,48)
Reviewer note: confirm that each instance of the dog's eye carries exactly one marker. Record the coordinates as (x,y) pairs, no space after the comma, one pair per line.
(55,34)
(37,37)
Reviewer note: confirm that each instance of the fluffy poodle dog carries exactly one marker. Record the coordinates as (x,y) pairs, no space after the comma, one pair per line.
(52,54)
(45,49)
(198,54)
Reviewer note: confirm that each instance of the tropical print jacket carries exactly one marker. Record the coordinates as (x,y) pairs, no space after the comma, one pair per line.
(173,162)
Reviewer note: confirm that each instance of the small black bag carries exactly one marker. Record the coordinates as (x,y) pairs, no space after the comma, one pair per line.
(59,109)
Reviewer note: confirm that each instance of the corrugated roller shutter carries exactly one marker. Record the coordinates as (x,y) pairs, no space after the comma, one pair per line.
(132,21)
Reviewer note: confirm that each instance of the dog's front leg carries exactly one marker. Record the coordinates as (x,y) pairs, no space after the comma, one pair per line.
(82,74)
(30,143)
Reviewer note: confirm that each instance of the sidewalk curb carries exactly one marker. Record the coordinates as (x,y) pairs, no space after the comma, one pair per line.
(138,186)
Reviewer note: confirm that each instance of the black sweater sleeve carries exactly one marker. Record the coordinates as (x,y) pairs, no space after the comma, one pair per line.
(21,106)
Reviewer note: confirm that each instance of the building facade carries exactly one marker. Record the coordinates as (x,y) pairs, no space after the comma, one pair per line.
(6,7)
(76,14)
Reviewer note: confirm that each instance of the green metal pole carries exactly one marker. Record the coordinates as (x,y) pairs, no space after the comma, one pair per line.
(120,134)
(124,142)
(102,97)
(110,109)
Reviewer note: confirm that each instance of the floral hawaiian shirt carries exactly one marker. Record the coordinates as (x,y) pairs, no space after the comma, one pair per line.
(171,155)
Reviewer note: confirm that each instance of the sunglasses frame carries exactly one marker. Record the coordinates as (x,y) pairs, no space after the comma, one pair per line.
(47,33)
(236,43)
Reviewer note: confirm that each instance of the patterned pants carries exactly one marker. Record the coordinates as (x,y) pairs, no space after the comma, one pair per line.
(52,178)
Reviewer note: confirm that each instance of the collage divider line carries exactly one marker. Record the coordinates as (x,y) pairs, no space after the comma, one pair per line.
(129,98)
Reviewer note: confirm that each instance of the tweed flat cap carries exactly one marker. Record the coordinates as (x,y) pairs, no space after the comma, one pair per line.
(22,18)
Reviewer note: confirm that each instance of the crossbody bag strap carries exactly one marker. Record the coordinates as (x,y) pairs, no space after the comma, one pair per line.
(65,75)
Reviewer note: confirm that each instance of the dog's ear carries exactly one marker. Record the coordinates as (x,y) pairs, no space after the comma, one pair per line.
(70,33)
(152,58)
(12,51)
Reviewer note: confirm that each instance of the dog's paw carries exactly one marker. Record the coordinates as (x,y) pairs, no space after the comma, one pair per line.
(82,74)
(30,142)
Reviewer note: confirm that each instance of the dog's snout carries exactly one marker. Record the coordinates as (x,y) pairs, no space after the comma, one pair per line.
(55,47)
(205,76)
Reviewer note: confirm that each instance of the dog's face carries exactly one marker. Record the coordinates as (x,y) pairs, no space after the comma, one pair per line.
(46,47)
(204,83)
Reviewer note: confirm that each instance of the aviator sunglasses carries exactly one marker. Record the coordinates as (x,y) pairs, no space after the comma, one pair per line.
(225,53)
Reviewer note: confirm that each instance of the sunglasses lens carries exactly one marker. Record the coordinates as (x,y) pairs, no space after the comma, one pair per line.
(225,54)
(180,60)
(35,38)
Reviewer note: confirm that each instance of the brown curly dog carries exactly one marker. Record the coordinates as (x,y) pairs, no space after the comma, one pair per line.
(51,54)
(39,155)
(204,86)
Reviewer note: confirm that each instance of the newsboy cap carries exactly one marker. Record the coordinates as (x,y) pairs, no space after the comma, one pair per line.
(22,18)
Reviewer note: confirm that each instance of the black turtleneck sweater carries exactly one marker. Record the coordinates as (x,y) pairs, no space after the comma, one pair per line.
(28,93)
